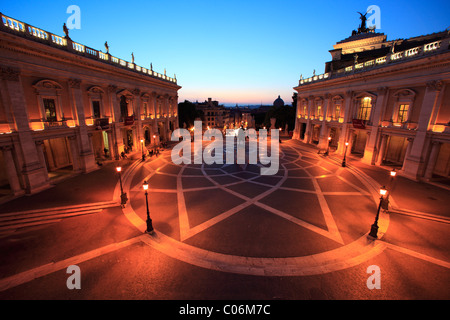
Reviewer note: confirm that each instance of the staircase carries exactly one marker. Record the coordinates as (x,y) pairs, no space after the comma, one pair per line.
(9,222)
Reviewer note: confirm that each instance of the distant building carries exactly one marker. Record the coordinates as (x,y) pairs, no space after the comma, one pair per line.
(390,100)
(278,102)
(64,105)
(215,116)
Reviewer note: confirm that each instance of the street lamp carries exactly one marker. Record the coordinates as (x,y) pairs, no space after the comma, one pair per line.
(149,221)
(374,228)
(123,196)
(345,154)
(154,140)
(392,173)
(143,146)
(328,147)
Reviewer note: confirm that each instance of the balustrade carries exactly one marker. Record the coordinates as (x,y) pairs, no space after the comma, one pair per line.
(394,57)
(432,46)
(59,41)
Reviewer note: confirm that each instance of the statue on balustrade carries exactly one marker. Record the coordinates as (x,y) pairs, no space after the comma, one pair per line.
(66,31)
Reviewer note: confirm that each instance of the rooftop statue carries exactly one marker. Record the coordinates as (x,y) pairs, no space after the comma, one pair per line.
(107,47)
(363,18)
(66,31)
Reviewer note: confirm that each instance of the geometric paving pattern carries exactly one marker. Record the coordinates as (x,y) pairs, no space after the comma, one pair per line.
(229,211)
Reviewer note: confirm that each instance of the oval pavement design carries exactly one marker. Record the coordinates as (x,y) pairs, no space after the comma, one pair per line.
(188,216)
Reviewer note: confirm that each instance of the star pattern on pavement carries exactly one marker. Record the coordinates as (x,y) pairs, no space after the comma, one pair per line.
(300,172)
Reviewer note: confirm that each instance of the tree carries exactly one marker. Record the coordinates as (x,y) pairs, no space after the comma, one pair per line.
(187,113)
(283,115)
(294,100)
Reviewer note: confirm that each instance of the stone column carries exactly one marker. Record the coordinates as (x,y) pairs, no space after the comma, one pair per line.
(308,131)
(138,121)
(155,110)
(345,135)
(34,175)
(414,163)
(382,149)
(112,152)
(408,151)
(153,104)
(40,149)
(87,157)
(377,117)
(74,153)
(11,170)
(298,129)
(435,147)
(166,120)
(324,129)
(116,134)
(176,124)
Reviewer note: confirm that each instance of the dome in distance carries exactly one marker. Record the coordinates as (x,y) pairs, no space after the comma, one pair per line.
(278,102)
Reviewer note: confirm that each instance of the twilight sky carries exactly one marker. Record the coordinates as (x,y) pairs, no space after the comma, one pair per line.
(237,52)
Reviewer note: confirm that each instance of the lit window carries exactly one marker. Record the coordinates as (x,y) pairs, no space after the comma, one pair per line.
(50,110)
(365,107)
(145,109)
(337,114)
(402,115)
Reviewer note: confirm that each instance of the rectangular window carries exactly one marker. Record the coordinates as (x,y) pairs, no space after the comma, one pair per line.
(96,109)
(305,113)
(145,110)
(319,111)
(402,115)
(50,110)
(365,107)
(337,113)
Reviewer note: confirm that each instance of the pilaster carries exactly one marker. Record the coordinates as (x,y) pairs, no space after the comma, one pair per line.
(414,163)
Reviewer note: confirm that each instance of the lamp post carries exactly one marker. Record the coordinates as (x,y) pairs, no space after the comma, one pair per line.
(328,147)
(154,140)
(143,147)
(392,173)
(345,154)
(149,220)
(123,196)
(374,228)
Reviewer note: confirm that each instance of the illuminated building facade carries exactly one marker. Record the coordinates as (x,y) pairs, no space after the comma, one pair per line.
(390,100)
(215,116)
(64,105)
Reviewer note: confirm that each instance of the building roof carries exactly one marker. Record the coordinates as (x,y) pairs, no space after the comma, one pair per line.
(278,102)
(365,51)
(24,30)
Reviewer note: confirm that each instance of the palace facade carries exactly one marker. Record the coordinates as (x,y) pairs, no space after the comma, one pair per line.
(64,105)
(389,100)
